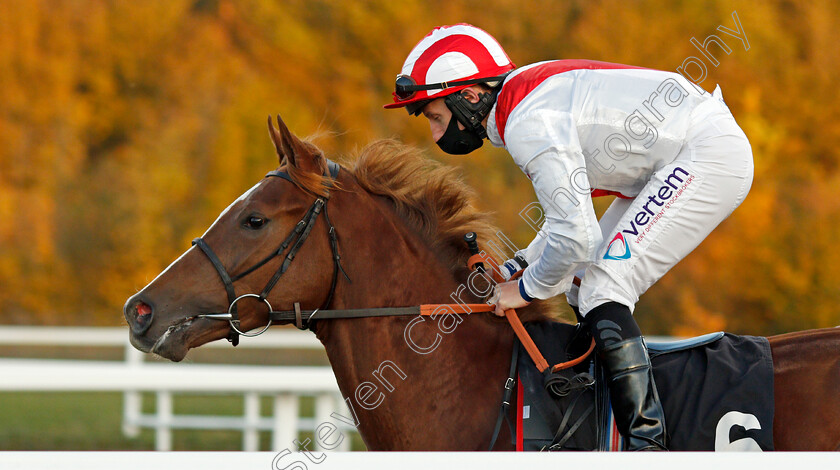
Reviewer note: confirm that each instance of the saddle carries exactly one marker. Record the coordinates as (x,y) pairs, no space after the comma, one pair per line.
(708,385)
(716,390)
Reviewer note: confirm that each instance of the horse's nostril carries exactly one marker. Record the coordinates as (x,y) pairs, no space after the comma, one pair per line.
(143,309)
(142,317)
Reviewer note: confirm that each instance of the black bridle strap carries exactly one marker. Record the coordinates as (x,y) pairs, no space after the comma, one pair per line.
(302,229)
(298,235)
(333,169)
(233,336)
(220,268)
(279,251)
(336,258)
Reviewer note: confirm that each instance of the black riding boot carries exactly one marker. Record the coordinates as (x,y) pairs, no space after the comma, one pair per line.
(635,402)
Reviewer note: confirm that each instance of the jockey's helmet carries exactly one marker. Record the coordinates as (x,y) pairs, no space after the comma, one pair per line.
(447,60)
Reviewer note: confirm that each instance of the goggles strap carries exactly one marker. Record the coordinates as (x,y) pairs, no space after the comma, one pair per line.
(409,90)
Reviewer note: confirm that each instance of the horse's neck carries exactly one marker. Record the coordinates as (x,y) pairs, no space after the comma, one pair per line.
(430,384)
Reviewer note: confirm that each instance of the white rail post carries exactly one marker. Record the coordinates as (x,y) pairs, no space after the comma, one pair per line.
(324,405)
(342,409)
(132,400)
(163,425)
(251,433)
(285,429)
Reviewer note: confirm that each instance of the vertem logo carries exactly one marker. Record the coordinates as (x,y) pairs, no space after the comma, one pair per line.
(618,240)
(642,221)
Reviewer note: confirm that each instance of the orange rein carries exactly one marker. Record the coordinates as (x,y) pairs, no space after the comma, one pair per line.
(510,315)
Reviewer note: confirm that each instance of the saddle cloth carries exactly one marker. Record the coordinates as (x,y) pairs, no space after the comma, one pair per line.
(716,396)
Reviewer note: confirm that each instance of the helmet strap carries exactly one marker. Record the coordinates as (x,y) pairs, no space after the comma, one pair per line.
(471,114)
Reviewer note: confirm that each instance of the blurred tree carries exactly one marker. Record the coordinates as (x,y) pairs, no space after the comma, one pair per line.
(125,127)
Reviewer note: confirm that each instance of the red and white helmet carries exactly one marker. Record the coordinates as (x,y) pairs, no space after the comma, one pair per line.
(447,60)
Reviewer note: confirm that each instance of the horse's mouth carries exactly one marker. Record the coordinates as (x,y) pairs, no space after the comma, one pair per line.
(176,341)
(171,344)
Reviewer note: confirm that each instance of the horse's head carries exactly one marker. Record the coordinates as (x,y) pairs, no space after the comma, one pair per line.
(166,316)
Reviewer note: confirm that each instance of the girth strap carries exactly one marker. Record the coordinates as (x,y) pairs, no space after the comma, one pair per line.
(508,391)
(560,439)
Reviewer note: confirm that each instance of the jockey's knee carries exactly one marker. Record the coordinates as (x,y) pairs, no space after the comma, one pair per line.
(600,286)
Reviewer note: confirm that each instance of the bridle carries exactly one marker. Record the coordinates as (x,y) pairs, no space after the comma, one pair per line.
(295,239)
(303,319)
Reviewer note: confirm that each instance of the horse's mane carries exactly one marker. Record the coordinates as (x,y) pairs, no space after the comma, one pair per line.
(433,199)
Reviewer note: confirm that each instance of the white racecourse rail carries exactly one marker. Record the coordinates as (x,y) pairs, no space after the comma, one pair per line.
(133,376)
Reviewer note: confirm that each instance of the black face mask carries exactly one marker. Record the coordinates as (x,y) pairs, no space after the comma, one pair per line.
(456,141)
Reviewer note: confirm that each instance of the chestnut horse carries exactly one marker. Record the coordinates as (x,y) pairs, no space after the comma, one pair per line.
(400,219)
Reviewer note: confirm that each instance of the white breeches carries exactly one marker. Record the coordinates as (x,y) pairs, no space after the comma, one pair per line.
(680,205)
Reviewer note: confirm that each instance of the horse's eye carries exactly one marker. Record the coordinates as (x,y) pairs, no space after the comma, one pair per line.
(255,222)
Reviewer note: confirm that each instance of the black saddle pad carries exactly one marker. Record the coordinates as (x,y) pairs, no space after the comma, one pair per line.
(717,396)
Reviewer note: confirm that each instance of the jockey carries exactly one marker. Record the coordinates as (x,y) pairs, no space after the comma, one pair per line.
(671,152)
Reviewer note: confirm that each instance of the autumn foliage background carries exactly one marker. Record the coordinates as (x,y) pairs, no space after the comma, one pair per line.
(127,126)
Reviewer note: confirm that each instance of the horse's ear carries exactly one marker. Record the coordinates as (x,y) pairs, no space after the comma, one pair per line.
(291,148)
(280,145)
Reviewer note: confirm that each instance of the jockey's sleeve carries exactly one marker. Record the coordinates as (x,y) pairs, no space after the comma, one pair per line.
(535,248)
(545,145)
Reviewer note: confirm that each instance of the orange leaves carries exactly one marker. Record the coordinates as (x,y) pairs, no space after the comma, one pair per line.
(125,127)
